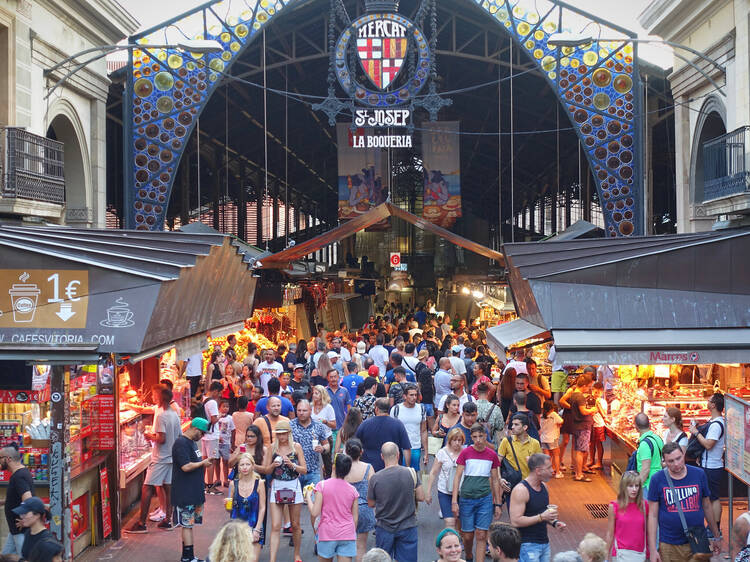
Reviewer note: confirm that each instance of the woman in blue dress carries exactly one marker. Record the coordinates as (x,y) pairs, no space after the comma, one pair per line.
(247,499)
(359,477)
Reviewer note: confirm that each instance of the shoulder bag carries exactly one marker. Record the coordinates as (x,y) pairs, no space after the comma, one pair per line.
(625,555)
(696,535)
(512,475)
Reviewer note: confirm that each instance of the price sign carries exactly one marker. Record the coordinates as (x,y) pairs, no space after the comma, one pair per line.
(43,298)
(104,422)
(395,259)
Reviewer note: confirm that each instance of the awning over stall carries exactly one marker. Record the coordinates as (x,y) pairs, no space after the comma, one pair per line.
(644,300)
(120,291)
(499,338)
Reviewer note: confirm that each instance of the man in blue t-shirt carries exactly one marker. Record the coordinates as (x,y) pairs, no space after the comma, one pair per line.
(379,429)
(689,486)
(274,387)
(397,360)
(351,381)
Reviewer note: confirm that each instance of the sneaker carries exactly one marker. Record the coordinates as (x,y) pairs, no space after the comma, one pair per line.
(157,515)
(287,530)
(192,560)
(559,475)
(136,529)
(165,525)
(214,492)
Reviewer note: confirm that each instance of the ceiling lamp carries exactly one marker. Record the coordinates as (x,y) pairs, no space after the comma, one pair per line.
(465,290)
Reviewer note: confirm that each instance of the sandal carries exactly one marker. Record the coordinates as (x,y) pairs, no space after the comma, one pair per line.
(582,479)
(589,471)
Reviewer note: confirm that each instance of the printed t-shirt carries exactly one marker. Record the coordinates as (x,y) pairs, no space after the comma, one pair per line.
(523,451)
(336,521)
(266,371)
(226,426)
(350,383)
(690,492)
(187,487)
(478,466)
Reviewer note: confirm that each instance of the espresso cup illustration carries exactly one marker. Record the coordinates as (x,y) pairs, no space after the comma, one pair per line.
(119,315)
(24,297)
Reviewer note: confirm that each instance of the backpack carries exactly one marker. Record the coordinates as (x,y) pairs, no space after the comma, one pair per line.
(694,449)
(424,412)
(633,460)
(309,368)
(486,422)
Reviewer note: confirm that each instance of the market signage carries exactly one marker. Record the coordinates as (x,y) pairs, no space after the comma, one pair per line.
(381,42)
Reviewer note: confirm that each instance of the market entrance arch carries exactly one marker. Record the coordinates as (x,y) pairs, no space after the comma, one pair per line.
(597,86)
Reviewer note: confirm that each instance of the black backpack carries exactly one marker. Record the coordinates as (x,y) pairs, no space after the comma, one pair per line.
(695,450)
(633,460)
(424,376)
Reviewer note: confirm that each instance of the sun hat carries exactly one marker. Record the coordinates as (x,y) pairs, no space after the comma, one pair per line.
(282,426)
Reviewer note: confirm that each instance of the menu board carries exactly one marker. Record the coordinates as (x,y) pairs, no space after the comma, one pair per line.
(106,508)
(103,422)
(737,412)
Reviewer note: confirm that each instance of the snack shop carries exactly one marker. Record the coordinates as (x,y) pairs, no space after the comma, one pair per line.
(91,320)
(664,319)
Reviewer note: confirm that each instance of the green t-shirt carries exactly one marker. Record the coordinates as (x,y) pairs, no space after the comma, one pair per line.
(645,452)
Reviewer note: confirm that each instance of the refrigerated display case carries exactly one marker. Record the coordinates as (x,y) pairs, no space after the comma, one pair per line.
(135,449)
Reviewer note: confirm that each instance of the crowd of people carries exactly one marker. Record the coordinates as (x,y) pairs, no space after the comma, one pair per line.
(345,426)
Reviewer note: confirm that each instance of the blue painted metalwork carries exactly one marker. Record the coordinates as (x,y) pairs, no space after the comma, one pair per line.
(597,84)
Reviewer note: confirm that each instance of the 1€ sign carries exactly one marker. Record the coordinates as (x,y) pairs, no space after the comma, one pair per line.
(395,259)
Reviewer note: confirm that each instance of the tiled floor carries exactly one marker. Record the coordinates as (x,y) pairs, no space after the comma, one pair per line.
(570,496)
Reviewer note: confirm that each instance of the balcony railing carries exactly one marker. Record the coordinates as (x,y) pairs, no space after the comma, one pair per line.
(725,165)
(32,166)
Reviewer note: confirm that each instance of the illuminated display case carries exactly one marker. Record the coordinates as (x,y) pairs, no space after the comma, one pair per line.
(135,449)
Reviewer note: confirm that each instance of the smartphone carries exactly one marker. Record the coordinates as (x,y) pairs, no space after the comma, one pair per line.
(243,448)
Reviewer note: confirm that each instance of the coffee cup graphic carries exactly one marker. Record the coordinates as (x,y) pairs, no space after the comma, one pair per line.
(24,297)
(119,315)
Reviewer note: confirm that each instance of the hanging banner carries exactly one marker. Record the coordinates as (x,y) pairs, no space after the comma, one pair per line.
(441,158)
(363,182)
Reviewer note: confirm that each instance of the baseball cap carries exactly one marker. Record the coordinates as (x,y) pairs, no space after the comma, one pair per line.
(31,505)
(299,366)
(373,371)
(332,354)
(200,423)
(361,347)
(282,426)
(456,349)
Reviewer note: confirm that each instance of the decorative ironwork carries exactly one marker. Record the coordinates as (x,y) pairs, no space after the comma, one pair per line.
(33,166)
(725,170)
(597,84)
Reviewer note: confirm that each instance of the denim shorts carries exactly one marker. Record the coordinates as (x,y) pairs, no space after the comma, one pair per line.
(329,549)
(445,501)
(534,552)
(224,451)
(429,410)
(475,513)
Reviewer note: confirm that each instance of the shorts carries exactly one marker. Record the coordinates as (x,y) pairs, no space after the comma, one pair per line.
(429,409)
(445,501)
(582,438)
(475,513)
(534,552)
(416,458)
(675,552)
(210,448)
(287,485)
(567,425)
(158,474)
(550,446)
(714,477)
(188,515)
(559,381)
(329,549)
(224,451)
(598,435)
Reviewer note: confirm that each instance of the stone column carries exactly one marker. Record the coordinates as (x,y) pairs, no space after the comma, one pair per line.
(682,163)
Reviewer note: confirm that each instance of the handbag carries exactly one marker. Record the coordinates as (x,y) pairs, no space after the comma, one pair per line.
(434,444)
(626,555)
(285,495)
(508,472)
(696,535)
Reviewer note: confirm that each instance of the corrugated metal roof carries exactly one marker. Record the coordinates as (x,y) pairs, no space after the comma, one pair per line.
(156,255)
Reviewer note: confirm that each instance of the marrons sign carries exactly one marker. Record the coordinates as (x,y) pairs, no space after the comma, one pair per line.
(678,357)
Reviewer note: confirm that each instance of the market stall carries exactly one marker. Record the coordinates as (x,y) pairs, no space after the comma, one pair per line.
(83,308)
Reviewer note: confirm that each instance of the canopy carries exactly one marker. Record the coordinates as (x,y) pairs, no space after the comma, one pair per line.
(375,215)
(643,300)
(116,290)
(501,337)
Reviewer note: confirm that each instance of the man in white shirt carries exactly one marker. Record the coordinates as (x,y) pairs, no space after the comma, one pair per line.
(210,440)
(321,349)
(342,351)
(410,360)
(379,355)
(518,363)
(459,367)
(193,369)
(414,328)
(414,418)
(712,459)
(269,368)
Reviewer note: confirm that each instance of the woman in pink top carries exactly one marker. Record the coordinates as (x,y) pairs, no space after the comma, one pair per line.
(336,502)
(626,528)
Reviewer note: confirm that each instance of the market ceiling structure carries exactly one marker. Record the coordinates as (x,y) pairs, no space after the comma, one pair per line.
(565,100)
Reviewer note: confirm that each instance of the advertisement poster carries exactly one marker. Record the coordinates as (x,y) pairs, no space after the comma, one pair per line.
(441,158)
(363,178)
(106,508)
(79,516)
(737,413)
